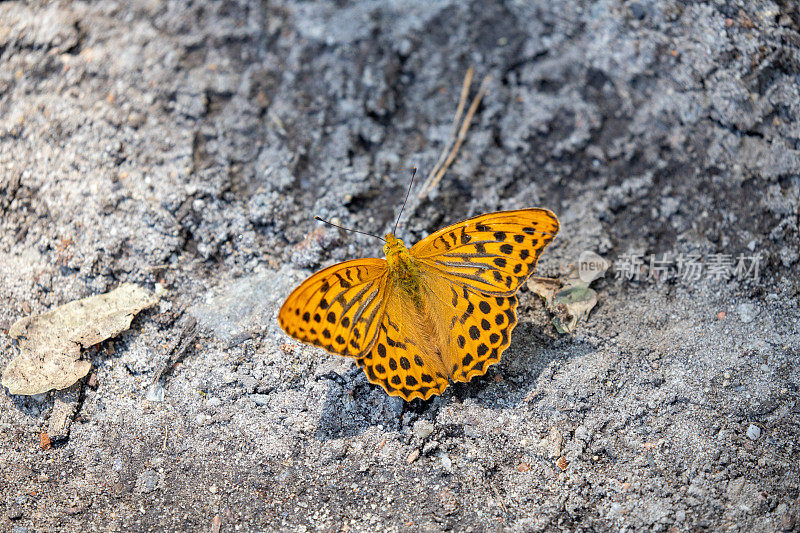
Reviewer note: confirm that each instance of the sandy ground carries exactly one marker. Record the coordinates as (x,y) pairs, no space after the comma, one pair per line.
(186,146)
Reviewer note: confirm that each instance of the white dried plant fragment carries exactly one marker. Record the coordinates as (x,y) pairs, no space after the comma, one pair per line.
(50,344)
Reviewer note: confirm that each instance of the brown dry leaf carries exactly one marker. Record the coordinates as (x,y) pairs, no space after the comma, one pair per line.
(569,299)
(544,288)
(50,344)
(572,305)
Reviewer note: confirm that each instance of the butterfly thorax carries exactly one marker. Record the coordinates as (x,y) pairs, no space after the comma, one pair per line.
(403,267)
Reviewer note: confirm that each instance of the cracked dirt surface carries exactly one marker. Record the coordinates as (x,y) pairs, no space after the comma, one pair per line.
(186,146)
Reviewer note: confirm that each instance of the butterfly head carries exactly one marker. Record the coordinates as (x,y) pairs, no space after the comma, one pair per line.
(394,247)
(398,256)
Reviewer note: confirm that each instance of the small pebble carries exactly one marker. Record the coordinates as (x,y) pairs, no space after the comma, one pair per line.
(249,383)
(413,456)
(447,464)
(753,432)
(212,489)
(155,393)
(148,481)
(555,443)
(338,449)
(405,47)
(260,399)
(136,119)
(423,428)
(430,447)
(213,402)
(747,312)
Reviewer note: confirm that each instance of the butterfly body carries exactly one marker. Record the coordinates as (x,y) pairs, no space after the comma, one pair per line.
(403,268)
(439,312)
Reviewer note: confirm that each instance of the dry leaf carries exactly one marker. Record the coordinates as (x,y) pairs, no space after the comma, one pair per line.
(571,306)
(50,344)
(544,287)
(570,299)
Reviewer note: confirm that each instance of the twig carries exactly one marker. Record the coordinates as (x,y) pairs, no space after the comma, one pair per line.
(187,333)
(499,499)
(462,101)
(459,133)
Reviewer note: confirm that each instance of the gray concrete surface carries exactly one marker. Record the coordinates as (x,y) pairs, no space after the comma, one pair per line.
(186,146)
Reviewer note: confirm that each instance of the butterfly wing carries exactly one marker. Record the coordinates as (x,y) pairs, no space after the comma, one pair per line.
(459,324)
(492,254)
(404,359)
(470,273)
(478,326)
(339,308)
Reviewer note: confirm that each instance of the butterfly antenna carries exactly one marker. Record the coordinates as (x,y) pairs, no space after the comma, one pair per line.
(347,229)
(413,172)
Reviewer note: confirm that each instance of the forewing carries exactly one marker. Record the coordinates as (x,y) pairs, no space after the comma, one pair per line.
(339,308)
(490,254)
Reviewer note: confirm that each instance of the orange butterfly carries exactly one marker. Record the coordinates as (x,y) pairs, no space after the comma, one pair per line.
(442,311)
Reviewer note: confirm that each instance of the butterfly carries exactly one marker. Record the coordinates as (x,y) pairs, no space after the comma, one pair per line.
(422,318)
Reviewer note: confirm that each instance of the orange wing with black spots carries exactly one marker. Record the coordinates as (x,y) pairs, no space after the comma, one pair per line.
(479,326)
(339,308)
(442,311)
(472,271)
(405,359)
(490,254)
